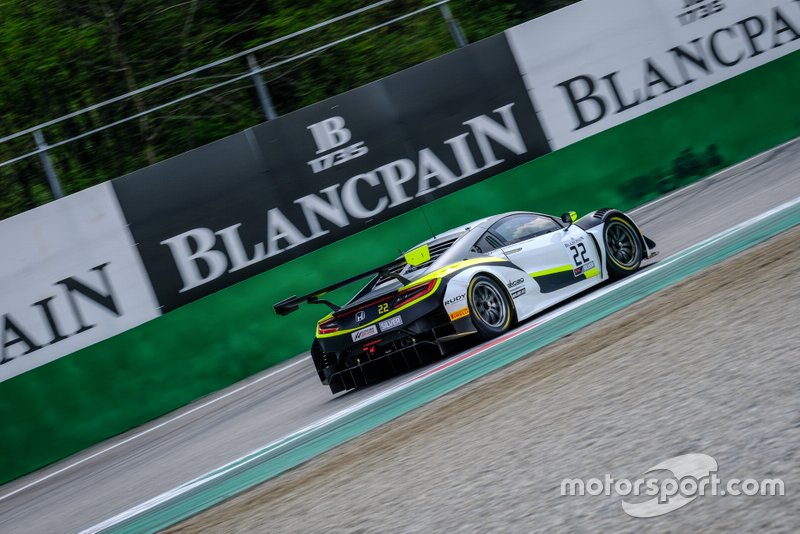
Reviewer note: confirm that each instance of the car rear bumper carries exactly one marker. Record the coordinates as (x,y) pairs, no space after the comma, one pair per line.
(390,354)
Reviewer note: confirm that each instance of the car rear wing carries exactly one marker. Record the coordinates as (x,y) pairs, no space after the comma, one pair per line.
(415,257)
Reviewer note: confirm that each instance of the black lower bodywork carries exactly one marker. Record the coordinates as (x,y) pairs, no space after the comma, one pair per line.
(342,364)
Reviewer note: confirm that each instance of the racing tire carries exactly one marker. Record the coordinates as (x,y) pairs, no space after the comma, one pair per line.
(489,307)
(624,250)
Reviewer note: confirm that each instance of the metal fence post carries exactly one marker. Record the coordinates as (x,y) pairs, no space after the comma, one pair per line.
(50,171)
(261,88)
(453,26)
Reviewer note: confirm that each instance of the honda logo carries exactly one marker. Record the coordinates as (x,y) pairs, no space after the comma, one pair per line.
(360,316)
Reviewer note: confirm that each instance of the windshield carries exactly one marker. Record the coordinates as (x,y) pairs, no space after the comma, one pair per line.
(525,226)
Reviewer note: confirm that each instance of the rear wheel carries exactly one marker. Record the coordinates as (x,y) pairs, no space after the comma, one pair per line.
(489,306)
(623,248)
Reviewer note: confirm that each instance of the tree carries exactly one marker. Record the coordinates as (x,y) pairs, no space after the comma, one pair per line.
(59,56)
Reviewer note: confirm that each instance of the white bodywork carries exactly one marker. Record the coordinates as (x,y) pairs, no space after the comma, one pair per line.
(581,250)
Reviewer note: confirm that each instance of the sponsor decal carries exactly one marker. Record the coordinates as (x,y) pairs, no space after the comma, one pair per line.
(360,316)
(515,283)
(518,293)
(579,270)
(390,323)
(579,255)
(463,312)
(364,333)
(457,298)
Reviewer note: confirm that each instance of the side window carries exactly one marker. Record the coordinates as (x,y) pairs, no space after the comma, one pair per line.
(486,243)
(516,228)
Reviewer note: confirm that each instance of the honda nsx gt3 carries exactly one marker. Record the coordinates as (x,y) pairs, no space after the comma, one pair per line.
(474,281)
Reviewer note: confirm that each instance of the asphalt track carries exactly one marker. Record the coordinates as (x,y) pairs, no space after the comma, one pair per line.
(110,478)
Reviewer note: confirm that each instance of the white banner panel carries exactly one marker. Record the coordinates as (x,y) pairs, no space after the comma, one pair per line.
(599,63)
(70,276)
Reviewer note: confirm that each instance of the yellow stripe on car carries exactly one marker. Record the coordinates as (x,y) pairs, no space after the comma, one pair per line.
(380,318)
(435,275)
(594,271)
(453,267)
(554,270)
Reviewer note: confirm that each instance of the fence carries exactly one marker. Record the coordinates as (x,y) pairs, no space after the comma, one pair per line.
(42,135)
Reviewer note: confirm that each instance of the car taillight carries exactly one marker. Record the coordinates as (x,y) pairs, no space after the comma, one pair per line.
(371,347)
(413,293)
(327,327)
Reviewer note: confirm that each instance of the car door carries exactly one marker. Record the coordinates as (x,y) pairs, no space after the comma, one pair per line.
(561,261)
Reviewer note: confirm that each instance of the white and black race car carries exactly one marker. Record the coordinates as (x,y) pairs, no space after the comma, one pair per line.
(477,280)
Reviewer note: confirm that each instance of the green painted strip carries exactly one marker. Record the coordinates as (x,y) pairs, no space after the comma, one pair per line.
(233,334)
(296,451)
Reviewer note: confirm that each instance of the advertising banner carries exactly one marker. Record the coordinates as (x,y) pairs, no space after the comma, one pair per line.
(212,217)
(70,277)
(599,63)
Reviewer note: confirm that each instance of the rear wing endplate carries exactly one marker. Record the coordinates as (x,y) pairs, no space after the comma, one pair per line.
(414,257)
(287,306)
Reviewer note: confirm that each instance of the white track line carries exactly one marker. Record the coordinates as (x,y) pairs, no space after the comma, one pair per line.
(421,375)
(154,428)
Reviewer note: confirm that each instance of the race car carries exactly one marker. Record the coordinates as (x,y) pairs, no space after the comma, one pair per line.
(475,281)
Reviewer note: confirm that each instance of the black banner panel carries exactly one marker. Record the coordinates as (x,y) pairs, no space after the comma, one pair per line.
(214,216)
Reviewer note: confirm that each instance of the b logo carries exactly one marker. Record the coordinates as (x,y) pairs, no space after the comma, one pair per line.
(329,134)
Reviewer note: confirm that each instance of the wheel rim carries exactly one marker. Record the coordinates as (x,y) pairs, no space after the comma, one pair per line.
(622,244)
(489,304)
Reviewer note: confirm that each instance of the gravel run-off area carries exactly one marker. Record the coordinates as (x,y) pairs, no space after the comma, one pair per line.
(711,366)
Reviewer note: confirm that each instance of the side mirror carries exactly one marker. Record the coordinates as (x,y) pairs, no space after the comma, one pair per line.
(569,218)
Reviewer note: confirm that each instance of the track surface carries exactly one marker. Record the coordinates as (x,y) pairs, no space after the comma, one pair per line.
(134,467)
(707,366)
